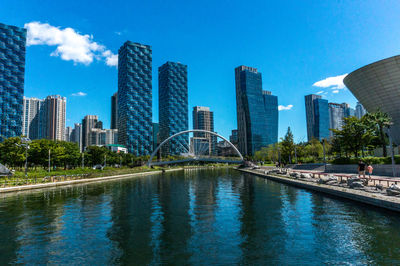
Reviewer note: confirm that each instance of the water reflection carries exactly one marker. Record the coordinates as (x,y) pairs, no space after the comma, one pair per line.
(201,217)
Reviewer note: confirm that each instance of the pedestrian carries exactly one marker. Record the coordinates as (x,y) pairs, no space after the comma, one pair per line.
(370,169)
(361,169)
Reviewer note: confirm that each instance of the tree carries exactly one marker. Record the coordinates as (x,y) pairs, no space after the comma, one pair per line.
(10,153)
(352,136)
(381,121)
(287,146)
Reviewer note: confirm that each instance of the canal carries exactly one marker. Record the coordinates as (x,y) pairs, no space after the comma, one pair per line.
(193,217)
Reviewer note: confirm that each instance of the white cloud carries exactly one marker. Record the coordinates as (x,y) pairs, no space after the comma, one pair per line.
(335,91)
(335,83)
(285,108)
(79,94)
(70,44)
(320,92)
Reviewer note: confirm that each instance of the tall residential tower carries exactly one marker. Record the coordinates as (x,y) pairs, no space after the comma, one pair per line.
(173,105)
(135,98)
(12,70)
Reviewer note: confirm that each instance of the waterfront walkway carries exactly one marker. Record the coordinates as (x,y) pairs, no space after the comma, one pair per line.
(385,181)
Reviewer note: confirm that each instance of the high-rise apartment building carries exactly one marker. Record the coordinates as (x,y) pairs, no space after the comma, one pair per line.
(12,71)
(101,137)
(68,132)
(156,130)
(360,110)
(56,111)
(89,122)
(76,135)
(34,118)
(114,111)
(135,98)
(203,119)
(257,112)
(173,105)
(317,116)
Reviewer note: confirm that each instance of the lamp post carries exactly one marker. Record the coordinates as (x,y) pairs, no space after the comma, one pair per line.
(25,143)
(295,153)
(49,160)
(323,149)
(391,147)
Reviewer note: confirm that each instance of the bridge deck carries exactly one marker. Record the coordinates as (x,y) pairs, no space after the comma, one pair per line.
(196,160)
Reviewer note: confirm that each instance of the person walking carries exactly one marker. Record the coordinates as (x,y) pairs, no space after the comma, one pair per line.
(361,169)
(369,169)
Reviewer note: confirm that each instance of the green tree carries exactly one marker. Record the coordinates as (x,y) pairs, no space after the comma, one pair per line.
(287,146)
(10,153)
(381,121)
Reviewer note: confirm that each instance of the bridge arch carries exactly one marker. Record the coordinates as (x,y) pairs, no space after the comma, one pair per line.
(149,163)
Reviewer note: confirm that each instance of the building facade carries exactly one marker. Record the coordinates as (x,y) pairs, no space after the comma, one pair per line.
(173,106)
(337,113)
(114,111)
(203,119)
(257,112)
(377,86)
(12,71)
(89,122)
(360,110)
(34,118)
(317,116)
(56,111)
(68,132)
(135,98)
(76,135)
(156,130)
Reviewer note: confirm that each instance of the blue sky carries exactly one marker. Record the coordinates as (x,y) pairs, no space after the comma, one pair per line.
(294,44)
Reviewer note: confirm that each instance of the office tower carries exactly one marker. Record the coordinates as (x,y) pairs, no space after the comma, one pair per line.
(337,113)
(68,131)
(233,138)
(34,118)
(173,106)
(203,119)
(114,111)
(257,112)
(56,110)
(88,123)
(271,116)
(76,135)
(360,110)
(317,116)
(12,70)
(135,98)
(156,141)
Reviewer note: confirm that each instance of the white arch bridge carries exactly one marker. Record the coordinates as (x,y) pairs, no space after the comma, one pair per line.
(196,150)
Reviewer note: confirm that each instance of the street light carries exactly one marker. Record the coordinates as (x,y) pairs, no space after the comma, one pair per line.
(388,124)
(25,143)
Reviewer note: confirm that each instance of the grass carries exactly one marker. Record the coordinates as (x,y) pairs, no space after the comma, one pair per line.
(40,175)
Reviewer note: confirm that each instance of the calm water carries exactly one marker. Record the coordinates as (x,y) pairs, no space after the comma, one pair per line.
(200,217)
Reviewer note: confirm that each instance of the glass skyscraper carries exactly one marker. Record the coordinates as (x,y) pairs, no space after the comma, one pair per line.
(135,98)
(257,112)
(317,116)
(173,106)
(12,70)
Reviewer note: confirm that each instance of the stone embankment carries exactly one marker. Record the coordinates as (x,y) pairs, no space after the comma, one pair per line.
(352,188)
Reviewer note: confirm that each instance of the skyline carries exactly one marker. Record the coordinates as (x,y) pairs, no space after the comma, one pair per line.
(289,66)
